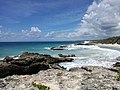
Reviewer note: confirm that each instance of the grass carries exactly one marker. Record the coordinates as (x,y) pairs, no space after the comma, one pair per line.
(40,87)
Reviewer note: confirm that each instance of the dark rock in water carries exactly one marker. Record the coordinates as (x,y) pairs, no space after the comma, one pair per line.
(54,48)
(117,64)
(58,60)
(118,58)
(84,44)
(62,47)
(118,42)
(30,63)
(61,55)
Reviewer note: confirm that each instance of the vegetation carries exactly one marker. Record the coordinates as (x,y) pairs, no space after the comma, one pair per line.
(111,40)
(118,77)
(40,87)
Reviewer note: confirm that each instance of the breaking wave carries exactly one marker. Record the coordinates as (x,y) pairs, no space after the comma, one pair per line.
(92,56)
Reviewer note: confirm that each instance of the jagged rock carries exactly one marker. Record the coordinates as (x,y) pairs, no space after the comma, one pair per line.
(8,59)
(117,64)
(2,84)
(99,79)
(29,63)
(56,66)
(21,62)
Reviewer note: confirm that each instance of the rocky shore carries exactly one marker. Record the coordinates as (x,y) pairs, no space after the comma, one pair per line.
(45,71)
(29,63)
(86,78)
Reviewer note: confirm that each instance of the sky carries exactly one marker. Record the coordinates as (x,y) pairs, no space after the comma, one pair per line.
(57,20)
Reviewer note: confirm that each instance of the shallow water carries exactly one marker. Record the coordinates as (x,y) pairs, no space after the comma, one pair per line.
(85,55)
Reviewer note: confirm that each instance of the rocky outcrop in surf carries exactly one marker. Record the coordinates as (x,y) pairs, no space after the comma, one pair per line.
(62,55)
(29,63)
(62,47)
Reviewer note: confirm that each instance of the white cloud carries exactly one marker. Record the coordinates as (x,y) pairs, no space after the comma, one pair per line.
(49,34)
(25,35)
(35,30)
(102,19)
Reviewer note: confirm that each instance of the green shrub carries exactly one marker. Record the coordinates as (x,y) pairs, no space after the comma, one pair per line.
(40,87)
(118,77)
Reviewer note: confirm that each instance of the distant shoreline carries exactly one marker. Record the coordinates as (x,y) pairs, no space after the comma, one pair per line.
(109,46)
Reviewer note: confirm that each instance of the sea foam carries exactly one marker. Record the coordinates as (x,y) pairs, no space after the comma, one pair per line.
(93,56)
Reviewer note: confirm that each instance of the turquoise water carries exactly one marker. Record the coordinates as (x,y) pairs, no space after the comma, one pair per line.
(85,55)
(16,48)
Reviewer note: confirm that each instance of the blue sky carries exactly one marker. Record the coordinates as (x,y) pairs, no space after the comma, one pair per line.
(54,20)
(49,16)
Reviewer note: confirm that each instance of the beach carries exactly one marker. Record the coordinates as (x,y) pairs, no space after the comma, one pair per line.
(111,46)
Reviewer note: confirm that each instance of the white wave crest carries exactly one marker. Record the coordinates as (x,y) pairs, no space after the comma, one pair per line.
(89,62)
(73,46)
(86,42)
(47,48)
(95,56)
(1,58)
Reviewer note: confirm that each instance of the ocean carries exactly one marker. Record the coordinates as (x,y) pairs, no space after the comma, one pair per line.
(85,55)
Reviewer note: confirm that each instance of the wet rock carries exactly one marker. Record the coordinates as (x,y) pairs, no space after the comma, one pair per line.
(55,48)
(85,44)
(58,60)
(118,58)
(62,47)
(117,64)
(62,55)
